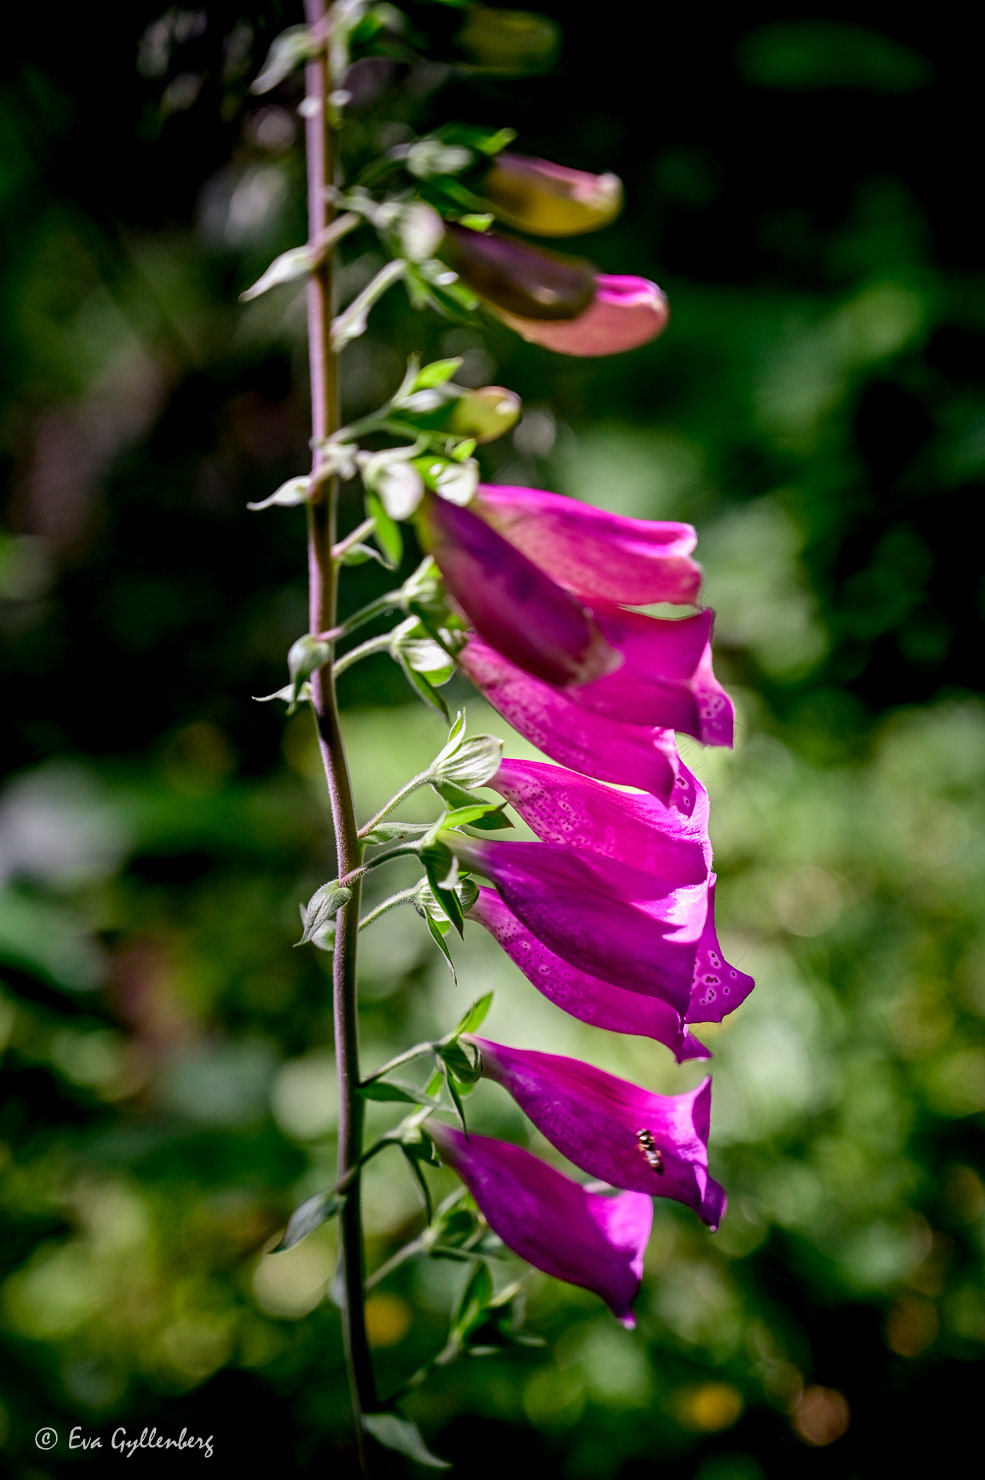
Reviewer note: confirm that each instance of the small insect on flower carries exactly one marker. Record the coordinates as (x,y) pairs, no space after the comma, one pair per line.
(651,1151)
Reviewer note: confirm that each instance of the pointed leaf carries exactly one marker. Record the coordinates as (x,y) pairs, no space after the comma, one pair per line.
(386,534)
(395,1090)
(435,374)
(291,265)
(440,942)
(484,815)
(395,1432)
(291,49)
(310,1215)
(475,1016)
(288,496)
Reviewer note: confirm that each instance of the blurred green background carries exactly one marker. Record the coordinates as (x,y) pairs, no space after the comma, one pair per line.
(800,189)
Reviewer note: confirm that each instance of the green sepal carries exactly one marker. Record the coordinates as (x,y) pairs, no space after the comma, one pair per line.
(473,1301)
(394,1090)
(311,1214)
(474,1018)
(441,868)
(359,554)
(435,932)
(487,816)
(386,533)
(422,687)
(396,1432)
(454,1055)
(454,1095)
(435,374)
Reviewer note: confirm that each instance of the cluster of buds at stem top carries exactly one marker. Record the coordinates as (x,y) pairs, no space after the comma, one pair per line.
(610,913)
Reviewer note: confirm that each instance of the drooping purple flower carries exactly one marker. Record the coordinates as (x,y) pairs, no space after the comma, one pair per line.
(610,919)
(613,1129)
(511,602)
(582,1237)
(595,554)
(624,313)
(665,677)
(563,807)
(599,1003)
(610,750)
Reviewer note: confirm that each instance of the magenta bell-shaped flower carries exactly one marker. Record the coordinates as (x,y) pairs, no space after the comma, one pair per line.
(612,1129)
(595,554)
(582,1237)
(665,677)
(598,1003)
(614,921)
(624,313)
(511,602)
(562,807)
(610,750)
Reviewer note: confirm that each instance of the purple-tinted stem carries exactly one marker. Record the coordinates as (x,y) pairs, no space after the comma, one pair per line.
(320,154)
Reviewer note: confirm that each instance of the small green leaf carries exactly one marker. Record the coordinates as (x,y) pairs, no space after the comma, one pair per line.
(475,1016)
(473,1301)
(440,942)
(422,687)
(454,1096)
(291,265)
(484,815)
(394,1089)
(359,554)
(395,1432)
(291,49)
(320,911)
(441,867)
(386,534)
(304,658)
(392,832)
(415,1153)
(435,374)
(309,1216)
(288,496)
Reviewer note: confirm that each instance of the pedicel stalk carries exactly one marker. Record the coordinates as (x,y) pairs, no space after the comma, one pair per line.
(531,596)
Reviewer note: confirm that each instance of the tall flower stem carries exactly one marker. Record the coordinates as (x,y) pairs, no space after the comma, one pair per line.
(322,518)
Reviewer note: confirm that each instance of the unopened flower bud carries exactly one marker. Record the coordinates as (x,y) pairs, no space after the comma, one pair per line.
(548,199)
(510,41)
(527,282)
(485,414)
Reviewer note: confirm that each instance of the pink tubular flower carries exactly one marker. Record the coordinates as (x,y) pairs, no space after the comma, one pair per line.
(562,807)
(612,1129)
(595,554)
(624,313)
(511,602)
(665,677)
(613,921)
(610,750)
(582,1237)
(599,1003)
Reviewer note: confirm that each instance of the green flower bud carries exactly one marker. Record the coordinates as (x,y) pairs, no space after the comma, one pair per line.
(548,199)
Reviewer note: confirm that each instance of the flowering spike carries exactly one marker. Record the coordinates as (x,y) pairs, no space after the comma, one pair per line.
(613,1129)
(548,199)
(595,554)
(511,602)
(599,1003)
(553,1223)
(562,807)
(624,313)
(608,749)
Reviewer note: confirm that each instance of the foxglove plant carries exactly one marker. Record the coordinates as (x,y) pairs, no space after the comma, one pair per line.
(609,914)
